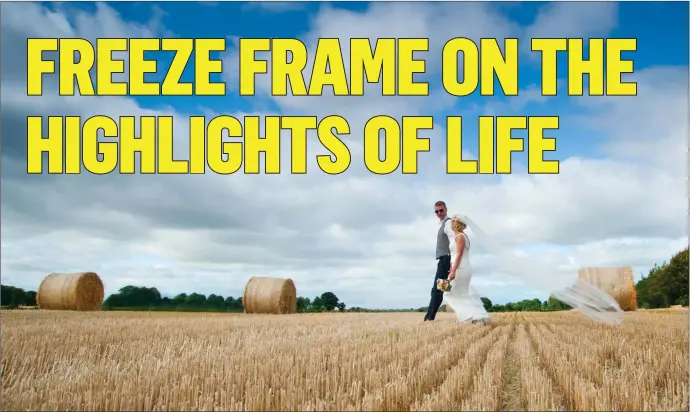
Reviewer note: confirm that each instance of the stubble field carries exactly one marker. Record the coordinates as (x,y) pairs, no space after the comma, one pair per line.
(391,361)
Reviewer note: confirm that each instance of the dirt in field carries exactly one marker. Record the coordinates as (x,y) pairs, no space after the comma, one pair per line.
(510,389)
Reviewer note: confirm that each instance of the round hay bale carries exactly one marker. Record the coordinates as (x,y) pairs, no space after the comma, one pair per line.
(71,291)
(617,282)
(269,295)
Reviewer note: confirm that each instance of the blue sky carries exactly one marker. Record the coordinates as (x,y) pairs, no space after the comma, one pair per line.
(661,29)
(620,198)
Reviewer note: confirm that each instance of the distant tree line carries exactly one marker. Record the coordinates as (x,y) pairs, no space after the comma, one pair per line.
(13,297)
(144,298)
(526,305)
(664,285)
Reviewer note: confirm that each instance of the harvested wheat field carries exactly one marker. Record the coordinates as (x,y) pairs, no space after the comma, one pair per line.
(359,361)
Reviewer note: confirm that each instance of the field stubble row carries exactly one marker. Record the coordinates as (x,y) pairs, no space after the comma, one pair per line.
(391,361)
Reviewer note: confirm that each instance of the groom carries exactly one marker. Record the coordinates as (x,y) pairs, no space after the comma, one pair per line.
(444,238)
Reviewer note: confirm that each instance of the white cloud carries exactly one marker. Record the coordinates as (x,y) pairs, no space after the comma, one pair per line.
(355,234)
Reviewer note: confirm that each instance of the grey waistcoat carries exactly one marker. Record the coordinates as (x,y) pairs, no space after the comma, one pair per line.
(442,242)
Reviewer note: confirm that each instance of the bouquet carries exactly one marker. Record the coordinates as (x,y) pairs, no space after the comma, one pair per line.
(443,285)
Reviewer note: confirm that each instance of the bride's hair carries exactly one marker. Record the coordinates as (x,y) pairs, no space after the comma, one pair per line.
(457,224)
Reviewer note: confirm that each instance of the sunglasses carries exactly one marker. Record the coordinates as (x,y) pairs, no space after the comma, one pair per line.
(437,211)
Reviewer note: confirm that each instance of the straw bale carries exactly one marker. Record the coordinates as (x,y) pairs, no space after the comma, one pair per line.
(71,291)
(269,295)
(616,281)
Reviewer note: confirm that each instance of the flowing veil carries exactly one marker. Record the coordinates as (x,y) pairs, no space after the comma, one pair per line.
(580,295)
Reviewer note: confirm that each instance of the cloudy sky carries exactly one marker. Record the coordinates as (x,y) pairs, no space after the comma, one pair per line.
(620,197)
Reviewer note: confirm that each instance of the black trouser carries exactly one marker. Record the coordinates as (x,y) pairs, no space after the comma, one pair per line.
(442,269)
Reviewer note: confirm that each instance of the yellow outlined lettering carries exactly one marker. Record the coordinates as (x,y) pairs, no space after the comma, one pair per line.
(538,144)
(197,146)
(392,145)
(73,154)
(328,56)
(298,126)
(412,144)
(204,66)
(578,67)
(183,51)
(408,66)
(615,66)
(450,70)
(254,144)
(36,67)
(166,159)
(79,71)
(107,66)
(36,144)
(506,144)
(485,150)
(506,67)
(377,65)
(139,66)
(455,164)
(249,67)
(92,148)
(145,145)
(217,148)
(549,48)
(333,144)
(284,72)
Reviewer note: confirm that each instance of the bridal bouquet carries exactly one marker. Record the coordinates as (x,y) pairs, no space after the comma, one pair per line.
(443,284)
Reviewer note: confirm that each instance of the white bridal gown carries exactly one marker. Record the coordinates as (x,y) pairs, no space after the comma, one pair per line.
(466,304)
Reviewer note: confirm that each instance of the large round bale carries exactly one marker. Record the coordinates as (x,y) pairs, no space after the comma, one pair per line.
(270,295)
(71,291)
(616,281)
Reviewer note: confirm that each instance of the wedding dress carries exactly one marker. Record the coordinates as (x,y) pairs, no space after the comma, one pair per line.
(588,299)
(462,298)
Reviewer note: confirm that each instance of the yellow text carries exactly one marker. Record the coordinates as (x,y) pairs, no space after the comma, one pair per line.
(603,68)
(77,57)
(102,145)
(390,61)
(496,145)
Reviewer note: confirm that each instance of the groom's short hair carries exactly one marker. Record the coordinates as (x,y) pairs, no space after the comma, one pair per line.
(440,203)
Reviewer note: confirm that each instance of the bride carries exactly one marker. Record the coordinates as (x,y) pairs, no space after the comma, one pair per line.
(581,295)
(466,304)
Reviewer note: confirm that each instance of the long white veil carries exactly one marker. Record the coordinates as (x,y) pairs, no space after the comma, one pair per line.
(580,295)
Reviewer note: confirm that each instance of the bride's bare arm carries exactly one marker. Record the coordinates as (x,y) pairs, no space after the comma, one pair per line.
(459,248)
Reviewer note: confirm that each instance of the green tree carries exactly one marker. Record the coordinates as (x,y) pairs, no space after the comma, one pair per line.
(196,300)
(138,296)
(233,304)
(303,304)
(554,304)
(13,296)
(341,306)
(180,299)
(498,308)
(329,300)
(30,298)
(487,303)
(665,285)
(215,302)
(317,305)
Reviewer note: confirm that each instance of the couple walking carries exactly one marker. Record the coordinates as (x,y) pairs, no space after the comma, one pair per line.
(453,256)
